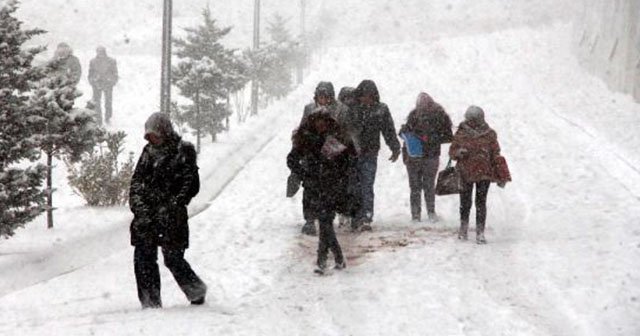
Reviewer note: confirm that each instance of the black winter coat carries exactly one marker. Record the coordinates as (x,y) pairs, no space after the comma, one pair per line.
(103,72)
(164,182)
(326,180)
(367,123)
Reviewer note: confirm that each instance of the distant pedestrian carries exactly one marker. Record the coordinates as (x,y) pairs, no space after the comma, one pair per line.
(475,147)
(368,119)
(164,182)
(103,76)
(322,155)
(65,63)
(430,125)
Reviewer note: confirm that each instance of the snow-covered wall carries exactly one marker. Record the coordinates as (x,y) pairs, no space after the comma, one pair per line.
(607,40)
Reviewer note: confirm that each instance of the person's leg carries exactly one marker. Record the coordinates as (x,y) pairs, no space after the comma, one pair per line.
(430,172)
(482,190)
(145,262)
(368,166)
(415,187)
(192,286)
(465,209)
(108,103)
(96,98)
(309,227)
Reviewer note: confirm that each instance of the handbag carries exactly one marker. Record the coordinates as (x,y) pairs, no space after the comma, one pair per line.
(502,169)
(449,181)
(413,144)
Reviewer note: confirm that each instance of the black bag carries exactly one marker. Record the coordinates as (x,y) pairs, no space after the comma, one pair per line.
(293,184)
(449,181)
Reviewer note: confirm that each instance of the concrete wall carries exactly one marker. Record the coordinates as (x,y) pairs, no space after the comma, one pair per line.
(607,40)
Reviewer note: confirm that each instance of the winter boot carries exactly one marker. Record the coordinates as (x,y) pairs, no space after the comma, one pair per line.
(198,302)
(309,228)
(480,238)
(415,217)
(340,266)
(433,218)
(462,233)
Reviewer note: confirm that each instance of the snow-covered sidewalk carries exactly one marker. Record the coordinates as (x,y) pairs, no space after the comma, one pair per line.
(563,250)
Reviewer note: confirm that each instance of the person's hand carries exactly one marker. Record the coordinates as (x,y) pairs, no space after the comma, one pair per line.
(502,184)
(461,152)
(394,156)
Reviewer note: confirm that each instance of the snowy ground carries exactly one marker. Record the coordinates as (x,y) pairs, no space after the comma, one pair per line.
(564,246)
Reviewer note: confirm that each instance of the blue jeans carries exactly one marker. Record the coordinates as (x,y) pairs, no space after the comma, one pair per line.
(367,168)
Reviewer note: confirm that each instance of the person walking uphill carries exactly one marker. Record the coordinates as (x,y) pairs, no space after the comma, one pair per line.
(322,154)
(475,147)
(103,75)
(368,119)
(67,64)
(164,182)
(431,124)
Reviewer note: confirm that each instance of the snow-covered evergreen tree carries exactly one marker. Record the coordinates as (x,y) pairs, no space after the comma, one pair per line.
(62,130)
(21,197)
(207,74)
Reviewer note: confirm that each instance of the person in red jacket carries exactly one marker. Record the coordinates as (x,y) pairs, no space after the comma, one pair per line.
(475,147)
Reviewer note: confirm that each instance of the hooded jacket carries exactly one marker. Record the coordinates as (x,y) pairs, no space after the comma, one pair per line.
(368,122)
(475,146)
(430,122)
(65,63)
(335,108)
(325,176)
(103,71)
(163,183)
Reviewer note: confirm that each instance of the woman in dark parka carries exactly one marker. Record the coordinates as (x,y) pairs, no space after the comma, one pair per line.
(164,181)
(322,155)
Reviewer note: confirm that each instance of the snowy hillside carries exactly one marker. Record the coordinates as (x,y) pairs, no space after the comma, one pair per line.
(564,245)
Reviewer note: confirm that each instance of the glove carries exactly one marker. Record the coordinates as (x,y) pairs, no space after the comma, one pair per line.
(394,156)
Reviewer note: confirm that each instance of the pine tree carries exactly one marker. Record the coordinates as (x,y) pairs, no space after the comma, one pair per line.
(21,198)
(207,74)
(63,132)
(272,64)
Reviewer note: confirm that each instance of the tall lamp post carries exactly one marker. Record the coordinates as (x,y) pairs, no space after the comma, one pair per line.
(256,46)
(165,80)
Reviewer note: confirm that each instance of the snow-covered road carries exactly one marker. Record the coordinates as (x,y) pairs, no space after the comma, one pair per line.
(564,245)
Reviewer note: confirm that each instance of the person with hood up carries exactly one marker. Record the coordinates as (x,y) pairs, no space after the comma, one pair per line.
(431,124)
(322,154)
(163,183)
(475,147)
(65,63)
(323,99)
(368,119)
(103,75)
(346,96)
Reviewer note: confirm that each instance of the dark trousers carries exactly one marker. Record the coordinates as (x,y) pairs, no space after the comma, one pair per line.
(422,178)
(482,189)
(145,261)
(367,167)
(328,241)
(307,213)
(108,102)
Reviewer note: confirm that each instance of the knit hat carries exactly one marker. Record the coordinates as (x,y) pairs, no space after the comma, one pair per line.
(160,125)
(474,113)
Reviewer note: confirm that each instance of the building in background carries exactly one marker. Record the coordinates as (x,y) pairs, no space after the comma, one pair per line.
(608,42)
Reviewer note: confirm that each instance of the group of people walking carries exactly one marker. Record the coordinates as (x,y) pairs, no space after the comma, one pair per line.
(103,76)
(334,156)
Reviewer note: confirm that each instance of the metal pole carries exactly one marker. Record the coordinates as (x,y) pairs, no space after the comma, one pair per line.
(256,45)
(303,43)
(165,84)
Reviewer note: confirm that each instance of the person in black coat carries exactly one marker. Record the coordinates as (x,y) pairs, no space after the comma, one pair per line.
(367,120)
(432,125)
(322,155)
(164,182)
